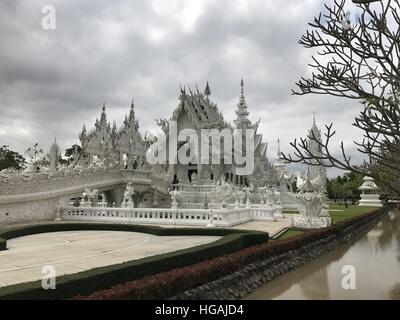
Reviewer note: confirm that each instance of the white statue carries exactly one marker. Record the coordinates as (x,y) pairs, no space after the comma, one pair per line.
(310,207)
(127,202)
(89,197)
(103,202)
(174,195)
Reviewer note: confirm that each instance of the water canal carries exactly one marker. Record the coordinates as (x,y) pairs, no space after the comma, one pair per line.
(376,260)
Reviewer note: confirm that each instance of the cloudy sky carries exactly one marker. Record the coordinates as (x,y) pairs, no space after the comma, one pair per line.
(53,81)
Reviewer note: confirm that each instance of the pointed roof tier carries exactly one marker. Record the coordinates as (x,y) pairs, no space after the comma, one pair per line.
(103,117)
(130,120)
(129,139)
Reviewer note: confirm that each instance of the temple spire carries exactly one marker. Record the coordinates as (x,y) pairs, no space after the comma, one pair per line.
(241,110)
(82,136)
(130,119)
(132,112)
(102,123)
(207,91)
(279,163)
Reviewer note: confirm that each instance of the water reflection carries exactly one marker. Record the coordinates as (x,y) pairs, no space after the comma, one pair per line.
(375,256)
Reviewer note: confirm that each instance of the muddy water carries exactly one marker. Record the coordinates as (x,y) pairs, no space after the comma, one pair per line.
(376,260)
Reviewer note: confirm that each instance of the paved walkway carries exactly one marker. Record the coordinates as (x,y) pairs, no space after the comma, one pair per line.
(271,227)
(75,251)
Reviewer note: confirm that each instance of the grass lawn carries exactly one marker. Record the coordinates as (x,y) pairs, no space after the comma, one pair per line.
(289,234)
(347,213)
(336,216)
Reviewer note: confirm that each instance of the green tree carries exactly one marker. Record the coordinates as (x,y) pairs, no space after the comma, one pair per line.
(345,187)
(71,152)
(11,159)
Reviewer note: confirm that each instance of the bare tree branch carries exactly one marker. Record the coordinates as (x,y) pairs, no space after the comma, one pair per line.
(362,63)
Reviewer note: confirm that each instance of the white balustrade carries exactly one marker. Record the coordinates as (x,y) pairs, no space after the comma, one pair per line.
(226,217)
(195,217)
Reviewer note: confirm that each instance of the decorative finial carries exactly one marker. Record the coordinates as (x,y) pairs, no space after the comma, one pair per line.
(242,87)
(132,104)
(314,118)
(207,90)
(104,106)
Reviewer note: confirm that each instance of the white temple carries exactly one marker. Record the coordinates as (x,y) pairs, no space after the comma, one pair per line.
(125,148)
(109,170)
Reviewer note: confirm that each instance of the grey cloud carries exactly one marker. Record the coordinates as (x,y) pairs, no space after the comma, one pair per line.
(102,51)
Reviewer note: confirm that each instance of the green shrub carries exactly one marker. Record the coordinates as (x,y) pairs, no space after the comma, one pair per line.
(3,244)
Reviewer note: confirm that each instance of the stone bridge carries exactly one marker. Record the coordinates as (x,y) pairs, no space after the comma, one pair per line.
(35,197)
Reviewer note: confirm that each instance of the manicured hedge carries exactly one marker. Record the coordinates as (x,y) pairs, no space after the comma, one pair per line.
(159,231)
(167,284)
(87,282)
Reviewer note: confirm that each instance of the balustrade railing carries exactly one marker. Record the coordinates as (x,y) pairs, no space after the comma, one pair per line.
(190,217)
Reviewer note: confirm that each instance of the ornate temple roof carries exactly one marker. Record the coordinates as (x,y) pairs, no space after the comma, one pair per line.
(105,139)
(200,110)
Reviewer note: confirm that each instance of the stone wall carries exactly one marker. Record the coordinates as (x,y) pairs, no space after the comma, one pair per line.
(26,212)
(239,284)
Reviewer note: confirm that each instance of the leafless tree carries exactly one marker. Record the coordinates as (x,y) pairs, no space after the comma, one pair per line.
(359,61)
